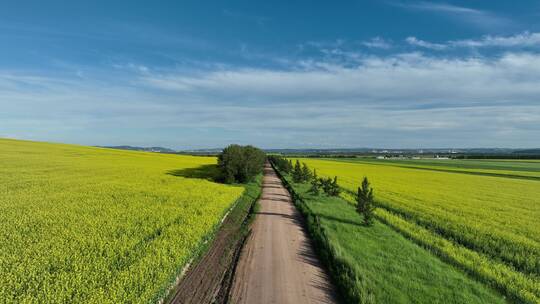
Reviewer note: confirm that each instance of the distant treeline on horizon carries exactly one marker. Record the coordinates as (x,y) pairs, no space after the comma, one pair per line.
(476,153)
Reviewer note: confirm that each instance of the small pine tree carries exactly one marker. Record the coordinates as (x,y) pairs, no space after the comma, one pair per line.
(326,184)
(365,204)
(314,184)
(334,187)
(284,165)
(306,173)
(297,174)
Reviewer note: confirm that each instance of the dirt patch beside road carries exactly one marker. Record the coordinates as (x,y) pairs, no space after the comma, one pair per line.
(208,279)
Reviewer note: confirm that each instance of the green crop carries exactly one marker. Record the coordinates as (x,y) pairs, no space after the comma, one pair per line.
(375,264)
(486,225)
(92,225)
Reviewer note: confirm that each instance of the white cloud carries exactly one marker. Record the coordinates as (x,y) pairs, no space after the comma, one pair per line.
(378,42)
(402,79)
(525,39)
(425,44)
(401,101)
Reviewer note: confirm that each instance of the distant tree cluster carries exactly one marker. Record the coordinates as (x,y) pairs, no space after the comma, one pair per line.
(302,174)
(284,165)
(240,164)
(522,154)
(365,203)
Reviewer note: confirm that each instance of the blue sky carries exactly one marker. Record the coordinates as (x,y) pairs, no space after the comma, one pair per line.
(281,74)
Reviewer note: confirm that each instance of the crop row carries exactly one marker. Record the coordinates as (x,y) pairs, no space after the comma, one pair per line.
(515,284)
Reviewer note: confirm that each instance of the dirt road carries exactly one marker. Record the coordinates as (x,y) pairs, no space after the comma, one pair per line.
(278,264)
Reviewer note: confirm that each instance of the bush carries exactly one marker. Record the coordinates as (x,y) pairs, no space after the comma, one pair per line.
(240,164)
(329,186)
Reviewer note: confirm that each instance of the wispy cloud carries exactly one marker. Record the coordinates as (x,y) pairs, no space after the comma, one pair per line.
(472,16)
(425,44)
(378,43)
(401,100)
(322,45)
(525,39)
(461,80)
(443,7)
(120,32)
(402,94)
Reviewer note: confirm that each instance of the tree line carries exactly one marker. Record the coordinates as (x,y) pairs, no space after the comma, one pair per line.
(301,173)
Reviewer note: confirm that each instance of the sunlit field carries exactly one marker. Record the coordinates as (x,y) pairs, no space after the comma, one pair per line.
(388,267)
(506,168)
(92,225)
(487,225)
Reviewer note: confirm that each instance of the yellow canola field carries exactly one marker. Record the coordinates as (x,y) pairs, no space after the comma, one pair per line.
(92,225)
(520,168)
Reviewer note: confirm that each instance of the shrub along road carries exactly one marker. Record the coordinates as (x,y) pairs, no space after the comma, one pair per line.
(278,264)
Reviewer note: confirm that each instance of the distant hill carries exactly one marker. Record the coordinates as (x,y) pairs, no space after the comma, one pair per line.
(147,149)
(209,150)
(528,151)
